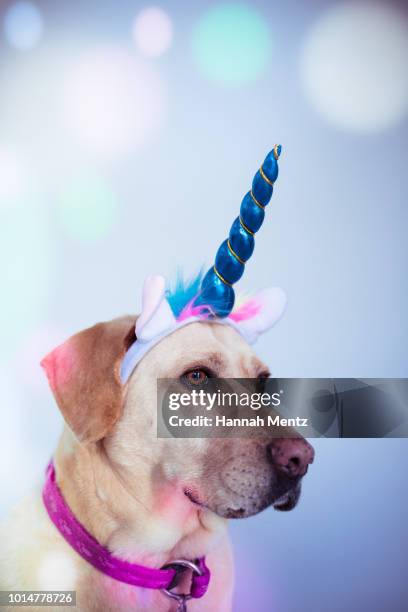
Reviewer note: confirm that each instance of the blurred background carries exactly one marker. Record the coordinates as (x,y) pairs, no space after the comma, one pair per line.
(129,134)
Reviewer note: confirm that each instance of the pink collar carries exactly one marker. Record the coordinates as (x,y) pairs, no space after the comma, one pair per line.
(89,549)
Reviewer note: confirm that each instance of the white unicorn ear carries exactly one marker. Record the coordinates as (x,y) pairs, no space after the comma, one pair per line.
(156,316)
(268,306)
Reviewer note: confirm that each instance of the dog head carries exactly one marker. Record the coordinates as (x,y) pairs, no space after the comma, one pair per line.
(231,477)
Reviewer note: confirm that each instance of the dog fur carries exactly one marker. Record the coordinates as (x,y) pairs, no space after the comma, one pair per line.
(126,486)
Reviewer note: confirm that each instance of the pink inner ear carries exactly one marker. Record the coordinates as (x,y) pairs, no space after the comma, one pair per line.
(248,310)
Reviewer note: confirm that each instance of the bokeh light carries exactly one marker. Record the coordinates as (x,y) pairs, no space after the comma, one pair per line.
(88,208)
(354,65)
(56,570)
(32,124)
(27,267)
(153,31)
(232,44)
(114,102)
(23,25)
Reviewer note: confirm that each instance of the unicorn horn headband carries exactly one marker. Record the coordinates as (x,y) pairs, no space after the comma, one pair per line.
(212,299)
(216,289)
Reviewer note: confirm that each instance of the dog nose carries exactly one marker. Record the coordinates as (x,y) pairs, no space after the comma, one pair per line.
(291,456)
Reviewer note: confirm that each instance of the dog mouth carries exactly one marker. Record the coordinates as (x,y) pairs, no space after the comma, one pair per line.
(193,497)
(284,503)
(288,500)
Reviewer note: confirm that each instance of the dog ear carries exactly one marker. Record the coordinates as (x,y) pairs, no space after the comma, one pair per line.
(84,375)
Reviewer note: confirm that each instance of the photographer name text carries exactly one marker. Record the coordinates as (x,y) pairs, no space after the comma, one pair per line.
(223,421)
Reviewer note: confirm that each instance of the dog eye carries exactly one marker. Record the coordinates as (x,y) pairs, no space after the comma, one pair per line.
(196,377)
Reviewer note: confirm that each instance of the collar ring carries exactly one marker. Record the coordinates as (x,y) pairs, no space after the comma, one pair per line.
(180,566)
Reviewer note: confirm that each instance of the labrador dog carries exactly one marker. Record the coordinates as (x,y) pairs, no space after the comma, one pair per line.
(148,500)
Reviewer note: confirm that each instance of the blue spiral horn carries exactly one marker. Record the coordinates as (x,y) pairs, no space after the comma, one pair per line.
(216,288)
